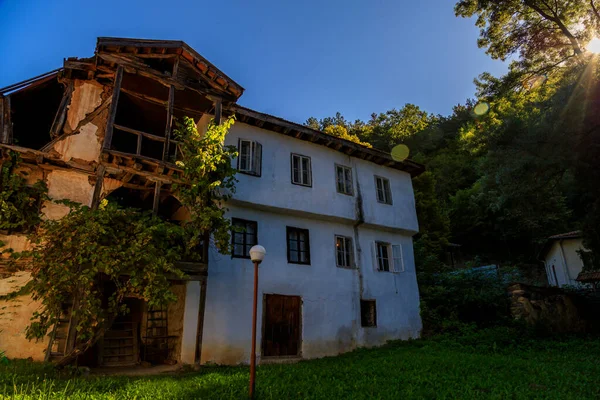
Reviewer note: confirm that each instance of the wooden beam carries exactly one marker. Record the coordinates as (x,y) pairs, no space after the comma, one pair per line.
(113,108)
(145,97)
(157,186)
(6,125)
(61,113)
(218,110)
(98,186)
(169,123)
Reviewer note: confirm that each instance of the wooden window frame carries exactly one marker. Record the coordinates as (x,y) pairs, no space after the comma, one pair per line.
(244,244)
(337,182)
(254,148)
(386,194)
(288,230)
(368,303)
(300,156)
(346,240)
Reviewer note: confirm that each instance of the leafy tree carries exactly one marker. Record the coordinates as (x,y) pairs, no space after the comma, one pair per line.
(342,133)
(544,36)
(433,224)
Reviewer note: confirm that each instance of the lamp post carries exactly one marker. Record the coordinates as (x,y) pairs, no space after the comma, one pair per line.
(257,254)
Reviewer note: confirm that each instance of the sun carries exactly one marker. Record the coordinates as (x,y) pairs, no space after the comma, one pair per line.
(593,46)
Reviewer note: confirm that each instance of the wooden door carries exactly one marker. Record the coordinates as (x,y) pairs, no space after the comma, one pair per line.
(281,329)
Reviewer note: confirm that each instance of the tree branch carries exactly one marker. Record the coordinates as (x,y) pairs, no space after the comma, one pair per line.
(595,10)
(556,19)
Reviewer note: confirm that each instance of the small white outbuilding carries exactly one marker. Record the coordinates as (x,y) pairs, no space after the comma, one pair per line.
(561,258)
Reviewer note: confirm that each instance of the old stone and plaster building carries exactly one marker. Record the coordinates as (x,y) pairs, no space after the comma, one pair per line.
(336,218)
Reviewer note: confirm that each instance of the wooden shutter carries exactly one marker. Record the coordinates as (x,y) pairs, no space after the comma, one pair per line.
(374,254)
(257,154)
(398,259)
(239,153)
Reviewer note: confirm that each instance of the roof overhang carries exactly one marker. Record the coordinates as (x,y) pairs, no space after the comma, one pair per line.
(165,48)
(288,128)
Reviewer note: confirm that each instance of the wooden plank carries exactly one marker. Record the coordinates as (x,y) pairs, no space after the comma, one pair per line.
(155,203)
(6,132)
(139,133)
(200,328)
(145,97)
(61,113)
(139,145)
(113,108)
(169,122)
(218,111)
(98,187)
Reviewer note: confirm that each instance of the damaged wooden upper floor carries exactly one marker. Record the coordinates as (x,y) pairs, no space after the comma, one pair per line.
(118,109)
(115,109)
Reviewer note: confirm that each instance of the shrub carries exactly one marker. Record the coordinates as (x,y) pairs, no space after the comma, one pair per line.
(459,300)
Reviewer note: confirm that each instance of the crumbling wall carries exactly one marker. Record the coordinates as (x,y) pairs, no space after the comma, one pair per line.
(16,309)
(549,307)
(86,123)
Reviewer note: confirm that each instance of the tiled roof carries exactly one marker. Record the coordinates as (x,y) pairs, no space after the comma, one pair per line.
(568,235)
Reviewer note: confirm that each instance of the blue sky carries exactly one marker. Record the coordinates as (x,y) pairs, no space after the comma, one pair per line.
(294,58)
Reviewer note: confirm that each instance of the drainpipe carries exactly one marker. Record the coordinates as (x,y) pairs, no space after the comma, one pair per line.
(564,260)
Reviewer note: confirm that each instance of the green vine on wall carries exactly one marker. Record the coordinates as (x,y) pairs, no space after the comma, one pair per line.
(94,259)
(207,168)
(19,202)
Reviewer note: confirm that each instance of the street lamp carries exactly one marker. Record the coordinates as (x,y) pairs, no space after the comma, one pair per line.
(257,254)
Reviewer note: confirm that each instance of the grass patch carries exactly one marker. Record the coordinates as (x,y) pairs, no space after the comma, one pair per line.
(496,363)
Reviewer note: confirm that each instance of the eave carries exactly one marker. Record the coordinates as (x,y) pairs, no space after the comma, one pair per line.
(292,129)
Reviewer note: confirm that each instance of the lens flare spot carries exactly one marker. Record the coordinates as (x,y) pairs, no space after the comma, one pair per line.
(593,46)
(400,152)
(481,108)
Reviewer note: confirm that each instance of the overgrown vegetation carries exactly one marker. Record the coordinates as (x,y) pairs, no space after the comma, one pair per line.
(19,202)
(492,363)
(94,258)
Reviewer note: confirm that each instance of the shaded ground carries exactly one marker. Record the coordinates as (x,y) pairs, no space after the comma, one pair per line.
(496,364)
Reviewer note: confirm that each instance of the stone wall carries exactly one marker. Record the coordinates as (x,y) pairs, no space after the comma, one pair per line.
(553,309)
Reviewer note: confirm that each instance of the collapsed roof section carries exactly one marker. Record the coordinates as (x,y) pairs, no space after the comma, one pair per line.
(145,84)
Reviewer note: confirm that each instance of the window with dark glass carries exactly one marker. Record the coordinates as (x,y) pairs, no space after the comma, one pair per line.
(384,194)
(383,256)
(368,313)
(243,237)
(343,177)
(298,246)
(301,170)
(343,251)
(249,157)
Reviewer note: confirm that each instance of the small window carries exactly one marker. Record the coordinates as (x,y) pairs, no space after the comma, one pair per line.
(298,246)
(249,157)
(343,178)
(383,256)
(384,194)
(368,313)
(301,170)
(344,252)
(243,237)
(387,257)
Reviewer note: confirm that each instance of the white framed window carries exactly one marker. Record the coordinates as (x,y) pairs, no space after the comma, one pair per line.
(384,193)
(344,252)
(387,257)
(343,180)
(249,157)
(301,170)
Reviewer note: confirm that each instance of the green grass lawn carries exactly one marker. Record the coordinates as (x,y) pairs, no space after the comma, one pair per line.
(497,364)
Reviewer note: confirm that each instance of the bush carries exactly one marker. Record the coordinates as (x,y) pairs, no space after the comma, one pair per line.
(464,300)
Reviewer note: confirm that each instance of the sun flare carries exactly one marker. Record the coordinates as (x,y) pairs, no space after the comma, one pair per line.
(594,46)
